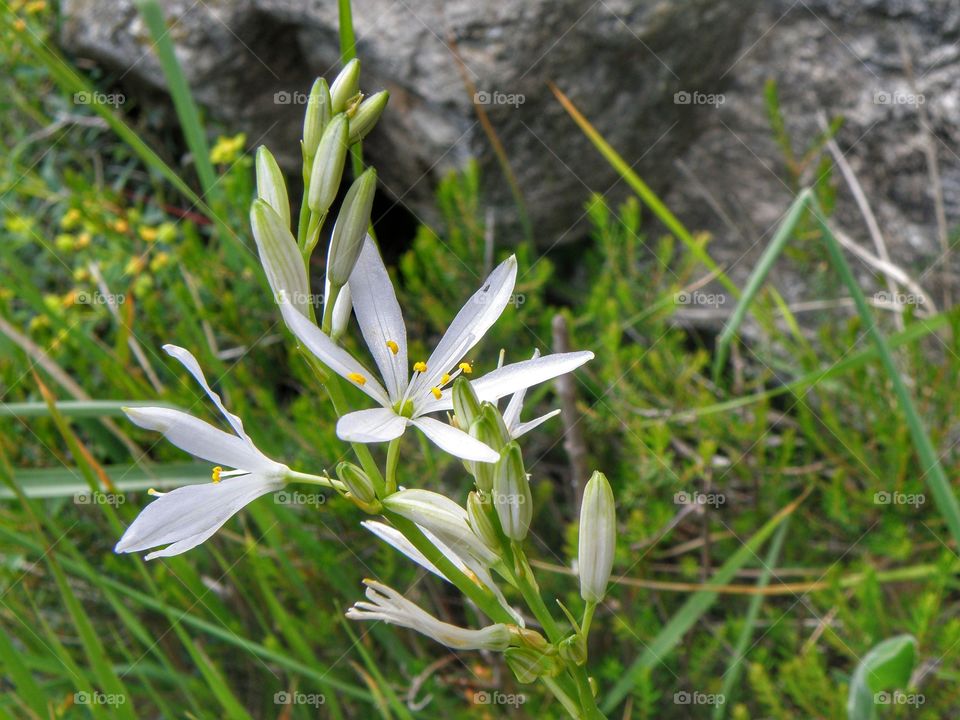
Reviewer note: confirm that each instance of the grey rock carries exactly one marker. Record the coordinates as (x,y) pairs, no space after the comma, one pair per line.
(842,58)
(621,61)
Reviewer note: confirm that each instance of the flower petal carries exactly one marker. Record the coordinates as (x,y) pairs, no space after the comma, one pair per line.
(381,322)
(511,416)
(455,441)
(470,324)
(516,376)
(330,354)
(189,515)
(369,426)
(521,429)
(187,359)
(202,439)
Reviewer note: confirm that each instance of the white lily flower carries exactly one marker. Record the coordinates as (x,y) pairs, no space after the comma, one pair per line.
(468,565)
(407,399)
(185,517)
(390,606)
(511,416)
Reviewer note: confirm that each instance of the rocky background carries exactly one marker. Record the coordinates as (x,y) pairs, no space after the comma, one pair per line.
(677,86)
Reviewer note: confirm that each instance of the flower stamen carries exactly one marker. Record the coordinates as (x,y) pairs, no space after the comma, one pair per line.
(357,378)
(445,379)
(394,348)
(420,366)
(466,367)
(437,393)
(215,475)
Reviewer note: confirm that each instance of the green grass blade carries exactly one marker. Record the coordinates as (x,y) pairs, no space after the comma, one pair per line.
(887,666)
(732,676)
(193,129)
(64,482)
(696,605)
(757,278)
(78,408)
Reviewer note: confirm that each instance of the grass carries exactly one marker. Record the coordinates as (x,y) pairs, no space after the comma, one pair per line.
(773,597)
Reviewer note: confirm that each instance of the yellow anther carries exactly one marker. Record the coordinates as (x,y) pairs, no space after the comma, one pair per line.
(436,392)
(216,473)
(466,367)
(394,348)
(153,492)
(445,379)
(420,366)
(357,378)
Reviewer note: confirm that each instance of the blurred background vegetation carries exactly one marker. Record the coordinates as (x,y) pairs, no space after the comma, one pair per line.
(771,594)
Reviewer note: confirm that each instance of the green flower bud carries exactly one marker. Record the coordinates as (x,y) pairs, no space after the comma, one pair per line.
(271,187)
(328,166)
(280,257)
(351,228)
(494,416)
(466,404)
(528,665)
(316,117)
(479,518)
(366,116)
(511,493)
(357,482)
(597,538)
(345,86)
(485,430)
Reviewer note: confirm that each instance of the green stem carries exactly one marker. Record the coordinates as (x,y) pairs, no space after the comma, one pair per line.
(569,704)
(482,597)
(321,480)
(393,459)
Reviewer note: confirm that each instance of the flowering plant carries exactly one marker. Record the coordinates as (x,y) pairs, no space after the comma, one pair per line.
(478,544)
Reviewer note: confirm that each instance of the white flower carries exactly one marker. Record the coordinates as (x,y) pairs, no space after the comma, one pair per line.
(597,538)
(466,564)
(390,606)
(405,399)
(185,517)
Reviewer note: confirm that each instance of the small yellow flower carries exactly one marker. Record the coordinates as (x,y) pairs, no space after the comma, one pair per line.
(160,261)
(81,275)
(228,149)
(65,242)
(166,232)
(35,7)
(38,322)
(71,219)
(121,225)
(83,240)
(135,266)
(148,234)
(70,299)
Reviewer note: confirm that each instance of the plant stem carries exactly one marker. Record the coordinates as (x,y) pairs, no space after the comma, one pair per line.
(393,458)
(321,480)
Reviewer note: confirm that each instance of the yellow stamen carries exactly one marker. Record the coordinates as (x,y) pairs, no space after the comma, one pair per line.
(420,366)
(394,348)
(357,378)
(216,473)
(445,379)
(466,367)
(153,492)
(436,392)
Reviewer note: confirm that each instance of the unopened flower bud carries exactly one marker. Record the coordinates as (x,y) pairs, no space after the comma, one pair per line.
(351,228)
(341,312)
(480,522)
(597,538)
(528,664)
(485,430)
(280,256)
(367,114)
(493,415)
(466,404)
(357,482)
(511,493)
(345,86)
(328,165)
(316,117)
(271,187)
